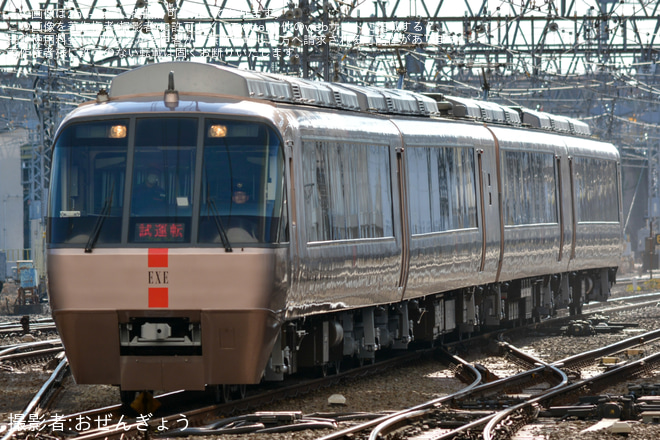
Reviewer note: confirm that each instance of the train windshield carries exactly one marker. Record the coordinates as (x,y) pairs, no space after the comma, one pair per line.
(163,180)
(87,183)
(241,194)
(167,181)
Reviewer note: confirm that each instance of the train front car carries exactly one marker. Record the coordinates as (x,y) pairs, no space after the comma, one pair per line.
(165,240)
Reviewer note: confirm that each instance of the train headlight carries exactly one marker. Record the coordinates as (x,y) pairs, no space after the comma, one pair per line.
(217,131)
(118,131)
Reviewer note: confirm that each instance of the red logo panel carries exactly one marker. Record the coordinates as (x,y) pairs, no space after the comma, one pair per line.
(158,296)
(158,257)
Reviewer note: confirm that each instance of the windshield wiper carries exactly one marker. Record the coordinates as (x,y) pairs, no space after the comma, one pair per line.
(105,212)
(218,224)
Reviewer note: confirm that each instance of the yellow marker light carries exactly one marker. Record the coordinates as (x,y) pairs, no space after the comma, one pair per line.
(118,131)
(217,131)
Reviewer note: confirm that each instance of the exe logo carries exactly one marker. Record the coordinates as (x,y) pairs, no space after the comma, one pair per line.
(158,262)
(158,277)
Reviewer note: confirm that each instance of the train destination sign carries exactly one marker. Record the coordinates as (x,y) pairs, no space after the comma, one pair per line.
(155,232)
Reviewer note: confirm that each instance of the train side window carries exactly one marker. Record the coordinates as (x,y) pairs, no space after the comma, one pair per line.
(347,191)
(596,190)
(442,189)
(529,187)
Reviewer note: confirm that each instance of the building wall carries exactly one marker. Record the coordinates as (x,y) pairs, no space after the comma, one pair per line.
(11,191)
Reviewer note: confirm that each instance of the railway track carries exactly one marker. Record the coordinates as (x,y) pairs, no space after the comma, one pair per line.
(206,418)
(434,415)
(211,420)
(125,424)
(28,419)
(26,325)
(30,352)
(198,416)
(503,424)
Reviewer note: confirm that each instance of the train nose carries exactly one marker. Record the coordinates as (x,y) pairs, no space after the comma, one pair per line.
(215,321)
(207,347)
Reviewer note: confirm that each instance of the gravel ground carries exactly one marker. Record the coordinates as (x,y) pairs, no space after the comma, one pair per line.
(392,390)
(554,348)
(558,347)
(18,383)
(574,430)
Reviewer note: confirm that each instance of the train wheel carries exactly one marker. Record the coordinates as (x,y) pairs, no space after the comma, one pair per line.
(360,361)
(127,397)
(238,391)
(222,393)
(329,368)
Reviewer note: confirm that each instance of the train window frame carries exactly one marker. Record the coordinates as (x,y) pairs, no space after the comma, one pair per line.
(270,230)
(516,211)
(443,217)
(280,231)
(167,219)
(107,209)
(334,211)
(589,205)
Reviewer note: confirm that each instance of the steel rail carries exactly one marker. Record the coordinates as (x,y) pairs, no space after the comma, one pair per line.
(46,352)
(54,380)
(542,367)
(397,419)
(600,309)
(29,345)
(35,321)
(624,370)
(582,358)
(33,327)
(416,410)
(203,415)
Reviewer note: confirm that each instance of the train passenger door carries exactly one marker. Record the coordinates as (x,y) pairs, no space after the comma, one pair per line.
(492,221)
(564,176)
(405,226)
(485,192)
(292,212)
(571,173)
(567,214)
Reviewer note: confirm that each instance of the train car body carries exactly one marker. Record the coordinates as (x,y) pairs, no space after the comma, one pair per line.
(373,218)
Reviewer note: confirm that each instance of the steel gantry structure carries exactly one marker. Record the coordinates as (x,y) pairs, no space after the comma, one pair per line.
(591,59)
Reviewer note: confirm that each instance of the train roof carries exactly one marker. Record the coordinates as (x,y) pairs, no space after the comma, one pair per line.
(190,77)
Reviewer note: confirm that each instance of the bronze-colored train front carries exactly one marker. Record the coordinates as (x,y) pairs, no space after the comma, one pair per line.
(164,318)
(165,264)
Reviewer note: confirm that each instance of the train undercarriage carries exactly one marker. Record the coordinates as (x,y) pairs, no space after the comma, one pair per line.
(324,342)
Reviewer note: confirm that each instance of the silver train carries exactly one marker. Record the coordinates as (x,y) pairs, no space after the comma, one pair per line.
(213,226)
